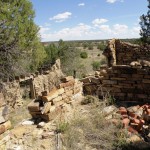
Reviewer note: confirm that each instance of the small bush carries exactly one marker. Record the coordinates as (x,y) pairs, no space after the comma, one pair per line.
(98,55)
(96,65)
(62,127)
(83,55)
(101,47)
(90,47)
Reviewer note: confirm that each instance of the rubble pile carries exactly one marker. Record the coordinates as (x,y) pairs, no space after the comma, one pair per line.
(49,104)
(136,118)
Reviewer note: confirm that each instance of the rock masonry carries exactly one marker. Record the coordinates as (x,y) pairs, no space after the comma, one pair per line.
(123,53)
(48,105)
(11,92)
(127,78)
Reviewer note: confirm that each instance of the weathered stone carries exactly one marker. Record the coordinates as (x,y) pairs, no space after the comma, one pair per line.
(53,94)
(68,78)
(28,122)
(46,108)
(34,106)
(67,84)
(60,91)
(86,80)
(108,110)
(69,93)
(57,99)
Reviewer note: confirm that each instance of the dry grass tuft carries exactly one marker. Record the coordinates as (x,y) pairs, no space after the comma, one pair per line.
(91,130)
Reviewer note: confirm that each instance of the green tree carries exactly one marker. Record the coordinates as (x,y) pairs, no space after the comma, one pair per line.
(145,26)
(52,53)
(19,41)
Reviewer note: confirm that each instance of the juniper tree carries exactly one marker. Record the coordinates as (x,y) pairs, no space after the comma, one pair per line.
(20,48)
(145,26)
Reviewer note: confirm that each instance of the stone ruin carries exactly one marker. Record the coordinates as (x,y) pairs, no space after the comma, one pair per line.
(49,105)
(127,77)
(123,53)
(49,80)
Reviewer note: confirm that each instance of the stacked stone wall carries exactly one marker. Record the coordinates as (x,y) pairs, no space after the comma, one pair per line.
(122,82)
(48,105)
(122,53)
(125,83)
(127,77)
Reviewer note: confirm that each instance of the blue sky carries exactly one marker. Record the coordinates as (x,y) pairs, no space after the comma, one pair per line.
(88,19)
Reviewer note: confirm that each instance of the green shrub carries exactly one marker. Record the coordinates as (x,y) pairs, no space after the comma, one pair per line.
(62,127)
(90,47)
(83,55)
(96,65)
(101,46)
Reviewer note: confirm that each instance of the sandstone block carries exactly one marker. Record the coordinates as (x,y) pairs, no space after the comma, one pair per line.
(68,78)
(69,88)
(146,76)
(52,115)
(95,80)
(34,106)
(59,103)
(69,83)
(2,129)
(64,96)
(77,90)
(57,99)
(120,79)
(69,93)
(52,109)
(60,91)
(109,82)
(146,81)
(53,94)
(46,108)
(86,80)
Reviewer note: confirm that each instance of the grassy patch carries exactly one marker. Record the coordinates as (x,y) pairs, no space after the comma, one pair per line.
(93,131)
(20,113)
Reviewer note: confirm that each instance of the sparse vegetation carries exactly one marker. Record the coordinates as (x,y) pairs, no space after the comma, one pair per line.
(83,55)
(90,47)
(101,46)
(96,65)
(93,131)
(89,99)
(103,61)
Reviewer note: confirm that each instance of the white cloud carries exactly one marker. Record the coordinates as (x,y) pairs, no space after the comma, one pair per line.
(81,4)
(61,17)
(119,28)
(86,32)
(105,28)
(98,21)
(43,29)
(113,1)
